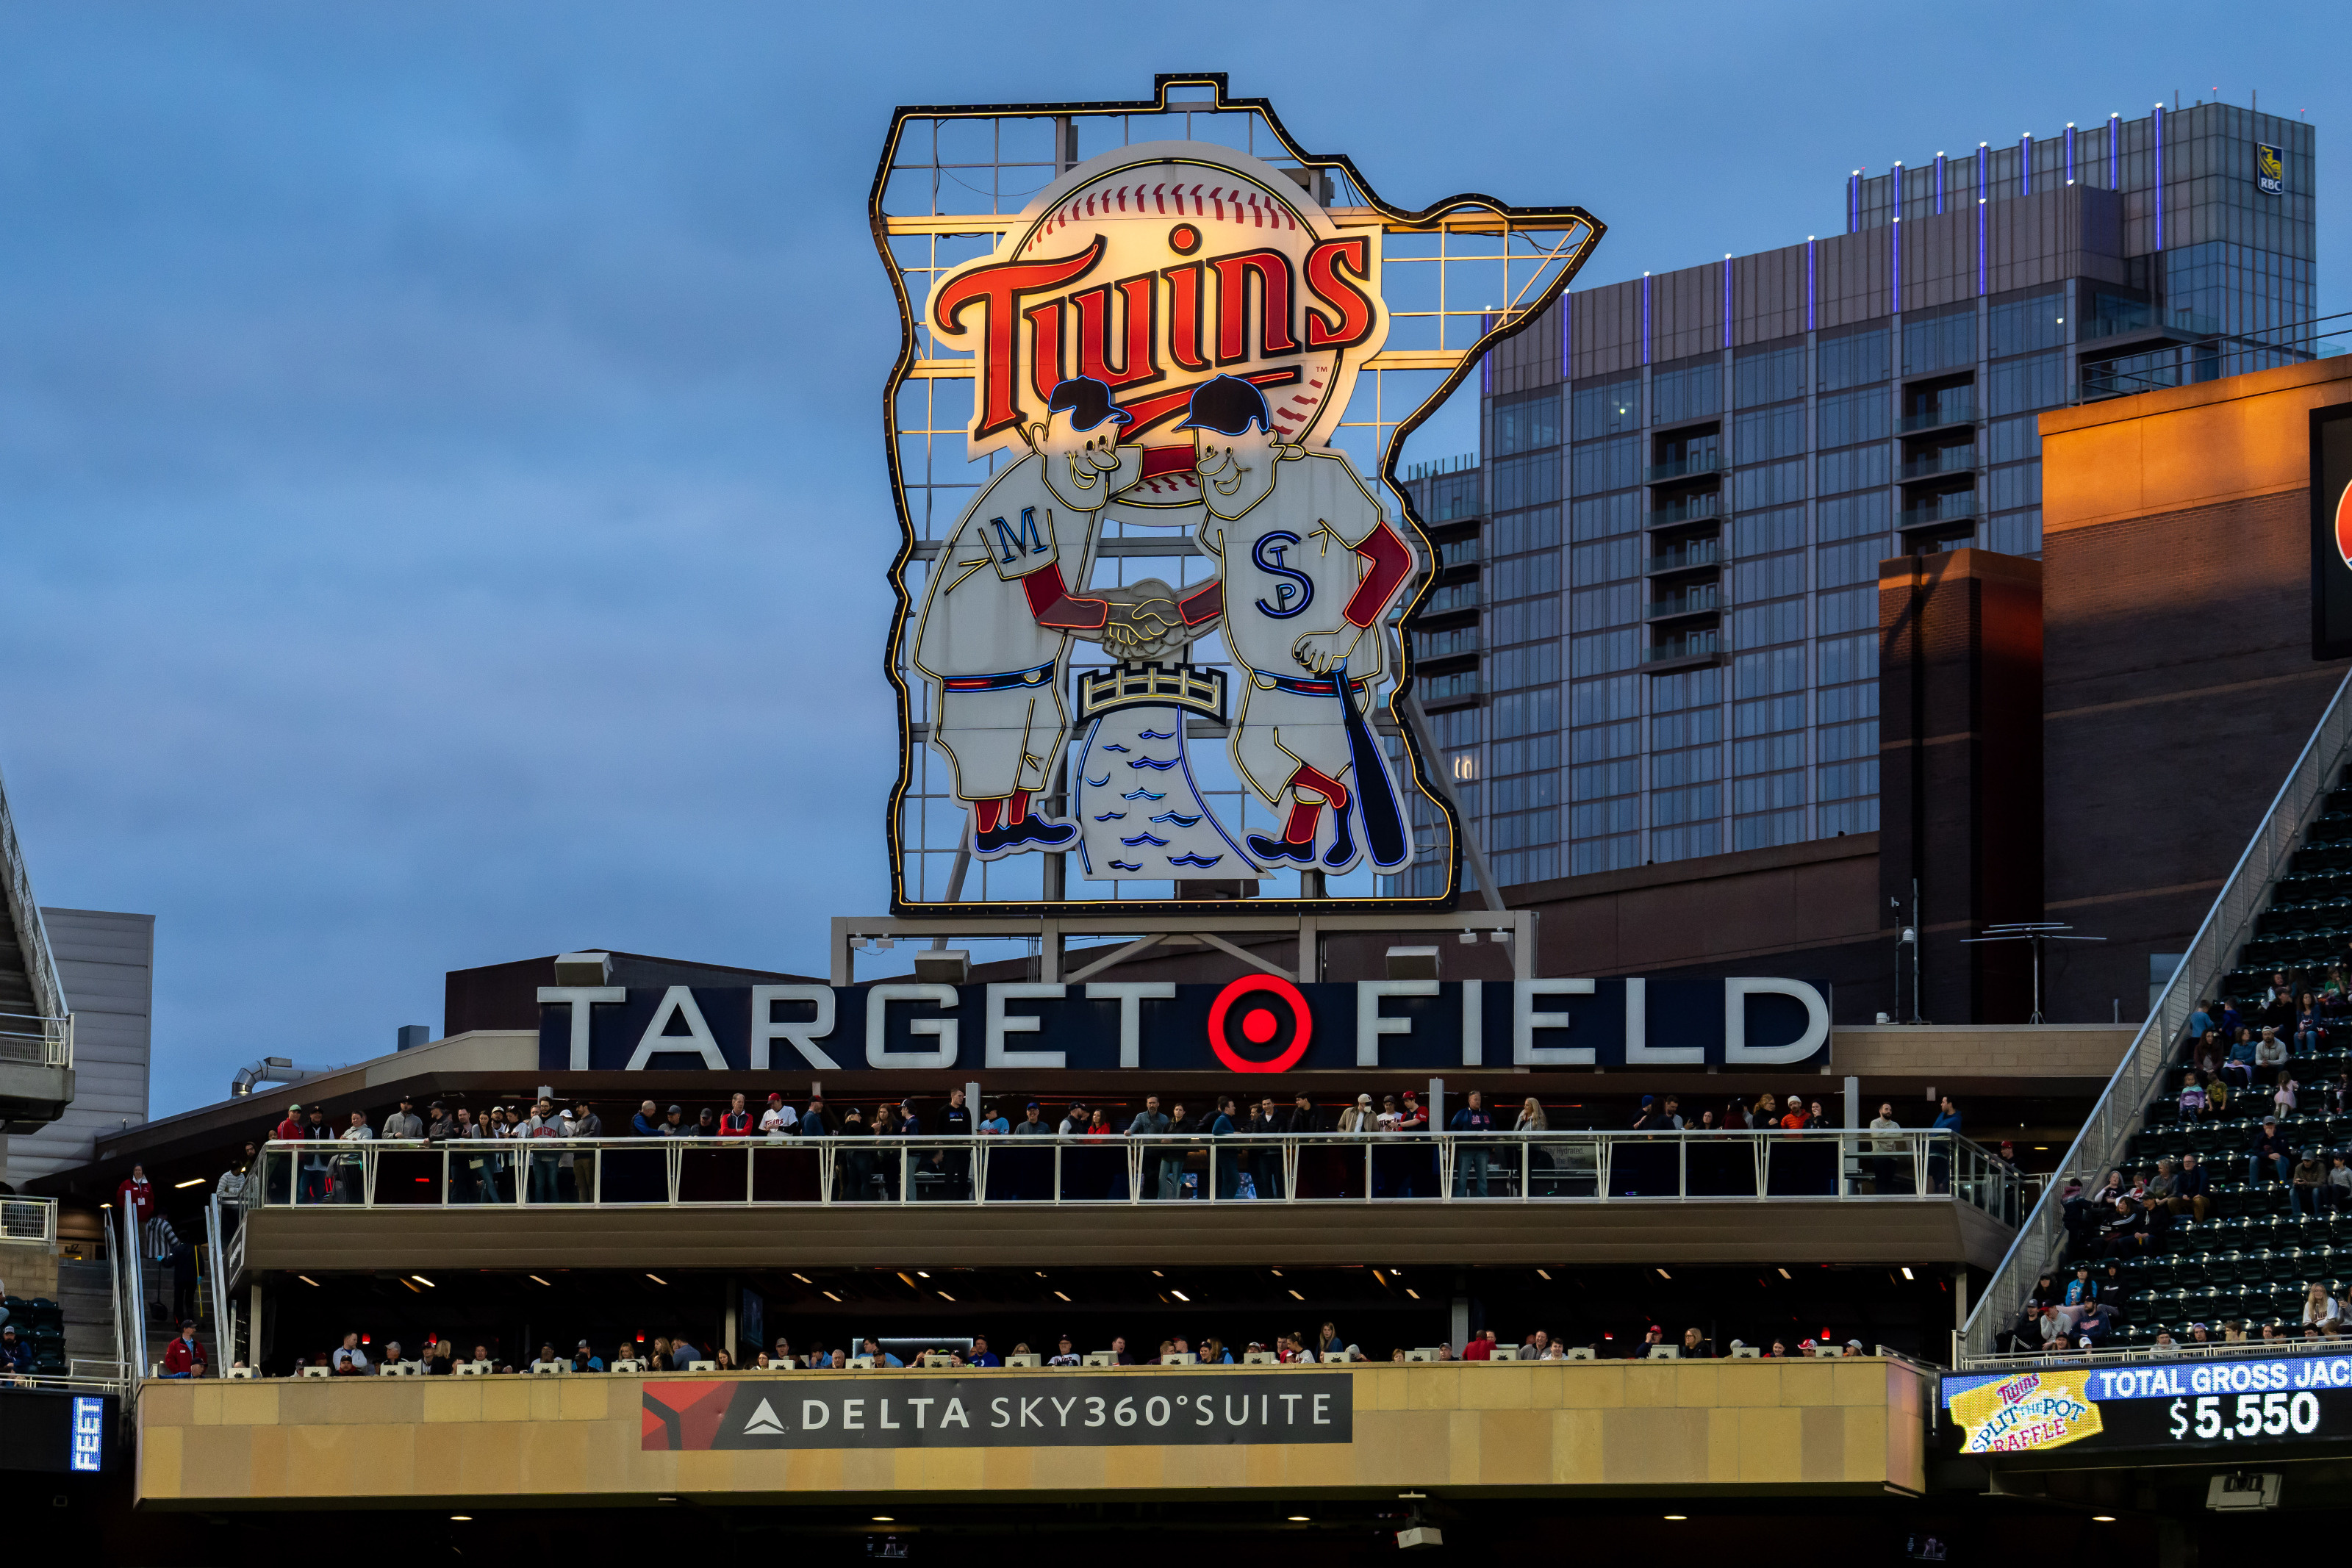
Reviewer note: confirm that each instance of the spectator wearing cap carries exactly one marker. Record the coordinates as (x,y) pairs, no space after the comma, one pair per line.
(16,1354)
(779,1119)
(673,1124)
(981,1354)
(349,1360)
(184,1357)
(2309,1184)
(1064,1356)
(403,1123)
(280,1186)
(814,1122)
(2267,1157)
(1653,1336)
(586,1360)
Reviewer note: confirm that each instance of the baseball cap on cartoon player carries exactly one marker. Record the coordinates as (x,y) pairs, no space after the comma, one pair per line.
(1234,444)
(1084,464)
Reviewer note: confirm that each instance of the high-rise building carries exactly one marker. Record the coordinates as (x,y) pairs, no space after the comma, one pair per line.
(1655,635)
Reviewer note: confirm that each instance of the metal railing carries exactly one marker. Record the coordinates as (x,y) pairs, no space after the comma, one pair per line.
(2107,1132)
(1958,506)
(1302,1168)
(1695,600)
(28,1219)
(129,1297)
(224,1247)
(53,1037)
(2185,1350)
(1695,553)
(1950,460)
(1687,645)
(1947,410)
(1682,468)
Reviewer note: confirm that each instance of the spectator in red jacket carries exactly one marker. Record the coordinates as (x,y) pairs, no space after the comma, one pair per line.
(1480,1348)
(136,1196)
(735,1121)
(185,1357)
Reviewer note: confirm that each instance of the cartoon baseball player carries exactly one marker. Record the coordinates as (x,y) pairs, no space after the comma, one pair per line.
(1005,599)
(1308,567)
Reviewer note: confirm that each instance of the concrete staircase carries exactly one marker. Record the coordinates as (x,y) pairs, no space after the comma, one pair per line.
(86,1292)
(16,985)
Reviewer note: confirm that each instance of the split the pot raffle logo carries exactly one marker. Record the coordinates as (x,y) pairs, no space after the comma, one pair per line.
(1167,338)
(2034,1410)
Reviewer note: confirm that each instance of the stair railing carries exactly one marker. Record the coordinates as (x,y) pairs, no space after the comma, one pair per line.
(2107,1134)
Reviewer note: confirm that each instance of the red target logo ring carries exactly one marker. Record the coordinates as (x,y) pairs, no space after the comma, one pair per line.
(1259,1024)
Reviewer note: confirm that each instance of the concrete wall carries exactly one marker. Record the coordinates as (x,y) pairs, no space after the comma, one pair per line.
(1761,1426)
(2178,682)
(107,963)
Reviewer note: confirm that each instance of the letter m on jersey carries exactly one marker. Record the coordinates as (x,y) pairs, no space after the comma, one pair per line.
(1012,543)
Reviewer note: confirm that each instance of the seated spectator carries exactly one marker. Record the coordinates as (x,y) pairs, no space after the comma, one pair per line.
(1214,1354)
(724,1362)
(586,1360)
(1063,1354)
(2282,1098)
(2191,1192)
(2238,1067)
(2159,1188)
(2266,1159)
(2308,1029)
(1119,1352)
(16,1354)
(873,1347)
(184,1357)
(2319,1308)
(2081,1290)
(2192,1097)
(2165,1344)
(2124,1229)
(1653,1336)
(2233,1332)
(546,1354)
(1480,1348)
(981,1354)
(2309,1185)
(351,1360)
(1695,1343)
(2270,1054)
(482,1354)
(392,1355)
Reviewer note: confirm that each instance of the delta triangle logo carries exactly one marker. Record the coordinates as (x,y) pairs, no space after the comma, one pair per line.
(763,1423)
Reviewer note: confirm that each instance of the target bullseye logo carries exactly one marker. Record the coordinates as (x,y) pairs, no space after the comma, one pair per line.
(2344,524)
(1263,1021)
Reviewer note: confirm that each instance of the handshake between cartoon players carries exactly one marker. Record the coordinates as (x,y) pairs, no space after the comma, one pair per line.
(1299,583)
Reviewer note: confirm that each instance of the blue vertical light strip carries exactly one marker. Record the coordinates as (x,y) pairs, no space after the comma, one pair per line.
(1854,202)
(2025,164)
(2159,176)
(1895,191)
(2070,151)
(1894,254)
(1939,185)
(1566,338)
(1809,283)
(1727,299)
(2114,152)
(1646,317)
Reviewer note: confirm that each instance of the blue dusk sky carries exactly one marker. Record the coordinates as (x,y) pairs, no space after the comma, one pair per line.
(443,516)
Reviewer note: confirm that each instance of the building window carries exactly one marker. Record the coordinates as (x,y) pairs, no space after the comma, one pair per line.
(1769,373)
(1768,433)
(2014,533)
(1605,854)
(1849,517)
(1849,417)
(1766,832)
(1853,358)
(1611,465)
(1848,610)
(1764,717)
(1604,408)
(2038,381)
(1771,484)
(1855,468)
(1684,843)
(1758,624)
(1689,390)
(2021,325)
(1766,673)
(1849,817)
(1599,702)
(1693,726)
(1526,421)
(1519,532)
(1604,652)
(1841,705)
(1767,754)
(1528,481)
(1941,341)
(1601,516)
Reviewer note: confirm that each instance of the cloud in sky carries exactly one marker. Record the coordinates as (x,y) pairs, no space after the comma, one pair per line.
(442,512)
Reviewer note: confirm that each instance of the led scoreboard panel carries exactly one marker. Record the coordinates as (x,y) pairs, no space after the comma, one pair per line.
(2154,1404)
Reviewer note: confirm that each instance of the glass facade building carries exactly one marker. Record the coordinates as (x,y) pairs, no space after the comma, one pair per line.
(1656,635)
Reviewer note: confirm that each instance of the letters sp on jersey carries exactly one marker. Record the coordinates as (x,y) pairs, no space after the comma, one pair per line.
(1163,1026)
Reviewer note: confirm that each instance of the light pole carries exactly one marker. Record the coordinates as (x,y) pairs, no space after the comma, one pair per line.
(2033,932)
